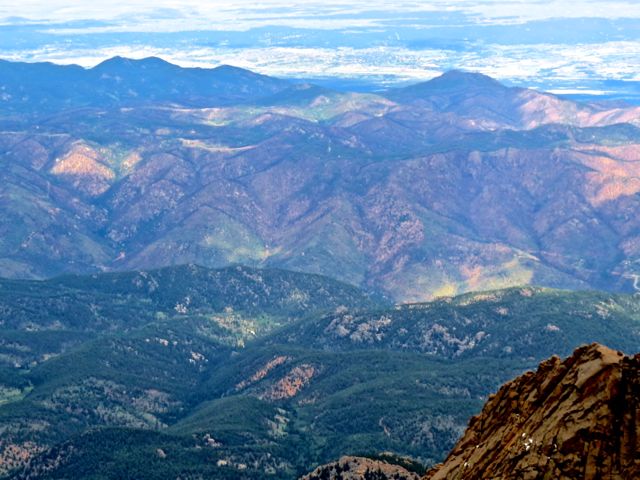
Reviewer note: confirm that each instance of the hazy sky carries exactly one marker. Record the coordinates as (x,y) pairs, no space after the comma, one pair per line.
(552,43)
(243,14)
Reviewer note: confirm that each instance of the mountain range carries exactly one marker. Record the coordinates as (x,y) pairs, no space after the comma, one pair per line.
(211,273)
(453,185)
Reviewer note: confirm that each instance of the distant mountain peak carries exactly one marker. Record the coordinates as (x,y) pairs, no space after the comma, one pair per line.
(458,79)
(457,73)
(450,85)
(233,71)
(118,62)
(230,68)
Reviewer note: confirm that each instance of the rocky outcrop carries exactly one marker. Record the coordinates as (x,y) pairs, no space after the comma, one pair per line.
(577,418)
(360,468)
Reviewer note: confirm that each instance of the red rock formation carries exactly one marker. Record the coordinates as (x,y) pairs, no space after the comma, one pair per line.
(291,384)
(577,418)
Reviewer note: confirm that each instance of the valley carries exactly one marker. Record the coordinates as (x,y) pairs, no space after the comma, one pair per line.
(248,373)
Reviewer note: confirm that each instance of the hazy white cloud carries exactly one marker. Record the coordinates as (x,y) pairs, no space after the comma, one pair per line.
(232,14)
(578,91)
(609,60)
(510,11)
(163,15)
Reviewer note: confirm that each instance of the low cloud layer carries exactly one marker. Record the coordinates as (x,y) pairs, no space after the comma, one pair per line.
(240,13)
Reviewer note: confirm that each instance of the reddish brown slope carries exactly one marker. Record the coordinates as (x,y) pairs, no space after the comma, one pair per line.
(578,418)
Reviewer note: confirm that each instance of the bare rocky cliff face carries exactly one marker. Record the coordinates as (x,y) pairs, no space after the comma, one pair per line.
(572,419)
(577,418)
